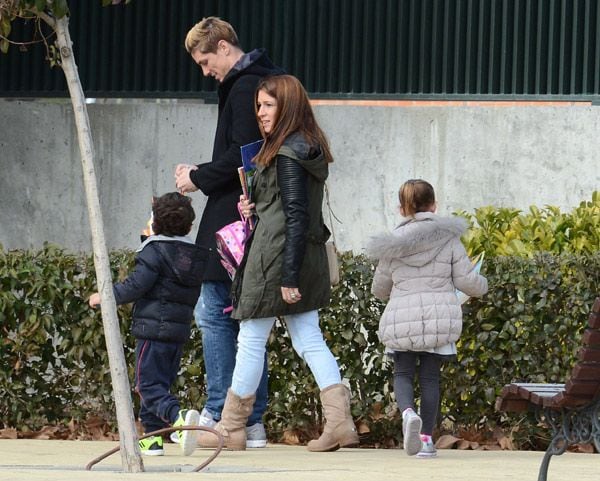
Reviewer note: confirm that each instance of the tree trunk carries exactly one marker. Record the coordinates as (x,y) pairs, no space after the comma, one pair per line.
(131,457)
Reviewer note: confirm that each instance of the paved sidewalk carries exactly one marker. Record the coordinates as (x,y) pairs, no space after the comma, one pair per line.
(34,460)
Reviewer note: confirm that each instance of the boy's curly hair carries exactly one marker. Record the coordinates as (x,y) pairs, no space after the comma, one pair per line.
(173,214)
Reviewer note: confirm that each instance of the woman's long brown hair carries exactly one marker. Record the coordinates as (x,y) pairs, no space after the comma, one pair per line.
(294,114)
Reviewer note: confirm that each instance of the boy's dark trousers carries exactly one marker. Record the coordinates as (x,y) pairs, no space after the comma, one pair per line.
(156,367)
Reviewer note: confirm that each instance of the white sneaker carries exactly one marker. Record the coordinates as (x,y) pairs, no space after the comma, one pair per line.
(411,429)
(427,447)
(205,419)
(187,438)
(256,436)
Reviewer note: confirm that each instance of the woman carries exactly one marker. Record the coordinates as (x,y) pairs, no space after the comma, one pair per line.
(285,272)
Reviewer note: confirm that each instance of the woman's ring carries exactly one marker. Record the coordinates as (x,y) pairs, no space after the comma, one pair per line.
(293,295)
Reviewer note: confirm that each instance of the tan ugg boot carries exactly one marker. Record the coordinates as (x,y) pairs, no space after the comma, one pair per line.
(339,430)
(232,424)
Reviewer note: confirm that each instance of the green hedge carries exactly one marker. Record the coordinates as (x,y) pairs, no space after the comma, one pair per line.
(53,359)
(510,232)
(527,328)
(54,366)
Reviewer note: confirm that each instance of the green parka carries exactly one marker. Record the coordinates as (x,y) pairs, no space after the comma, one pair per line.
(257,286)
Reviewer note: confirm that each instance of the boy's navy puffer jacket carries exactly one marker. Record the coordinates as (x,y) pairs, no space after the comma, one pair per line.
(165,285)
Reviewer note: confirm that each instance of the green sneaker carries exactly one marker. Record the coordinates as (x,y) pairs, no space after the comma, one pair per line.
(152,446)
(187,439)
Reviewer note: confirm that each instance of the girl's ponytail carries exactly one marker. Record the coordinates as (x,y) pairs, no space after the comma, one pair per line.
(415,195)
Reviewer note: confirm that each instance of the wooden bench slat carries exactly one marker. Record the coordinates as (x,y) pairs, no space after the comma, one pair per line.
(516,396)
(524,390)
(511,405)
(589,354)
(594,320)
(519,389)
(515,386)
(586,372)
(542,387)
(562,400)
(542,398)
(596,306)
(540,394)
(591,337)
(578,388)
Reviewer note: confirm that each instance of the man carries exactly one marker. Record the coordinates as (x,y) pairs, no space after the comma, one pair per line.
(214,46)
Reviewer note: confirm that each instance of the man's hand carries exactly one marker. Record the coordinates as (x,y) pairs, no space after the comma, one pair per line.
(94,300)
(182,178)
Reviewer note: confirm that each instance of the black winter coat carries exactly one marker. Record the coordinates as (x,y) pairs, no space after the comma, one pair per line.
(219,179)
(165,285)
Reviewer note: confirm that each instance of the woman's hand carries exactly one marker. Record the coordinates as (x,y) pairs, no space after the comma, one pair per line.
(291,295)
(246,207)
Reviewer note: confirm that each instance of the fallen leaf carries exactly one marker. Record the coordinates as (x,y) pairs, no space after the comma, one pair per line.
(290,437)
(506,443)
(73,426)
(464,444)
(490,447)
(377,412)
(8,433)
(584,448)
(447,441)
(363,428)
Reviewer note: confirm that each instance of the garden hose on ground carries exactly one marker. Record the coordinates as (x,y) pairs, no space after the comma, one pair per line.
(218,449)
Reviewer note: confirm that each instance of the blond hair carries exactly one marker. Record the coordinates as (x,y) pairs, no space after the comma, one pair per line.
(416,195)
(207,33)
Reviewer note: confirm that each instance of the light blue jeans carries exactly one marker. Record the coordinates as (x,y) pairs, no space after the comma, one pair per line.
(307,340)
(219,335)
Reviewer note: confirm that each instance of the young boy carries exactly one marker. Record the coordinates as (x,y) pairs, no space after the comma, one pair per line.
(165,285)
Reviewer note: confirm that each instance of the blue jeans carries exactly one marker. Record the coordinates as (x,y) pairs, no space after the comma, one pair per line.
(307,340)
(219,344)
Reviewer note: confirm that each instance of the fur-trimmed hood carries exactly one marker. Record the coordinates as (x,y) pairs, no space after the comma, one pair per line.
(417,240)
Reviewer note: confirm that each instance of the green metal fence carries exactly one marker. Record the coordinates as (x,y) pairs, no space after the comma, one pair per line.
(513,49)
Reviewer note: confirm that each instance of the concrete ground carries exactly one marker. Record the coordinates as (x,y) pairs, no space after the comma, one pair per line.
(36,460)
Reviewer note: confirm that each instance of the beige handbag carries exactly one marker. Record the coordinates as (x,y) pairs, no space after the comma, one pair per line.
(331,249)
(333,263)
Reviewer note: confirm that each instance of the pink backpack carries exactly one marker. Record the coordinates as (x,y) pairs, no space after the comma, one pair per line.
(231,240)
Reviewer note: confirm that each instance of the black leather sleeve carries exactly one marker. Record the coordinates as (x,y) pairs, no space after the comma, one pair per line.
(292,179)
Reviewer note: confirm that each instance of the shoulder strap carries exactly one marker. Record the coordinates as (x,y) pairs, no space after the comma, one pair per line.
(331,215)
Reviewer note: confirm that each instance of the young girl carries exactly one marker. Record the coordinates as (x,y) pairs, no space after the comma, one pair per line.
(421,264)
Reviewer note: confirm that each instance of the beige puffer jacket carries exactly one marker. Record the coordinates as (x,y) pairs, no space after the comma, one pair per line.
(421,264)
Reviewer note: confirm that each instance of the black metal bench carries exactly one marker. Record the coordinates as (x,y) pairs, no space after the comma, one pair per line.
(571,409)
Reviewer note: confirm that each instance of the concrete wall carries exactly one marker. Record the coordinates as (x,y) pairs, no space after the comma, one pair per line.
(512,156)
